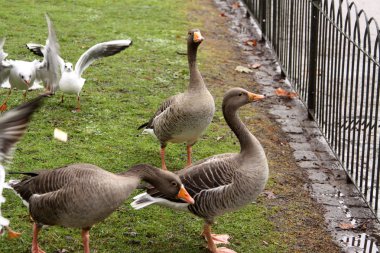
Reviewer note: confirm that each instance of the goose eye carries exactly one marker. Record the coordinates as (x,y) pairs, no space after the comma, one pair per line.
(240,94)
(174,183)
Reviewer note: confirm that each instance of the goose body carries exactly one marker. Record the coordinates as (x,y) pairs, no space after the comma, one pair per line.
(22,75)
(80,195)
(221,183)
(185,116)
(71,81)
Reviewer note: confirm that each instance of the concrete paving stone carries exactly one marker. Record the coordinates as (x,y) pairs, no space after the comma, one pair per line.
(313,131)
(288,122)
(300,138)
(301,146)
(326,156)
(322,189)
(292,129)
(309,164)
(361,213)
(318,176)
(305,156)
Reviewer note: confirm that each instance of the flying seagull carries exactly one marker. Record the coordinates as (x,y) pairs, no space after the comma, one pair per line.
(22,74)
(71,80)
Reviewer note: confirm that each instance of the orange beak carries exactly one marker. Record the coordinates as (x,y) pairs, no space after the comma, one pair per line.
(255,97)
(185,196)
(198,37)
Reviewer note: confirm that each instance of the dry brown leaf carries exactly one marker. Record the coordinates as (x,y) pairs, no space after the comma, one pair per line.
(269,194)
(236,5)
(283,93)
(251,42)
(255,66)
(223,14)
(346,226)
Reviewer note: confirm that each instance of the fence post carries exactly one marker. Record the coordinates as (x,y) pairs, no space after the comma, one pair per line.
(263,16)
(313,57)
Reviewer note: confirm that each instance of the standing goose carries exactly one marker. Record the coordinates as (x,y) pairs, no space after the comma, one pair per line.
(185,116)
(224,182)
(81,195)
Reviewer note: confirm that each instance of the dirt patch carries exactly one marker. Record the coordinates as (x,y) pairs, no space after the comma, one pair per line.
(298,217)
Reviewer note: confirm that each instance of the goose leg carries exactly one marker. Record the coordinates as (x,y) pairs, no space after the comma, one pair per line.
(3,107)
(213,239)
(162,153)
(35,247)
(189,151)
(86,240)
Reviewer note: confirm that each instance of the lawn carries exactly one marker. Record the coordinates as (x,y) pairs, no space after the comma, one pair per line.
(120,94)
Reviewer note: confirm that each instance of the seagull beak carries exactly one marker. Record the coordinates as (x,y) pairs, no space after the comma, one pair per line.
(198,37)
(255,97)
(27,82)
(184,195)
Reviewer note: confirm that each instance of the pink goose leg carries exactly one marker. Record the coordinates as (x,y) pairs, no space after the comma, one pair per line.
(35,247)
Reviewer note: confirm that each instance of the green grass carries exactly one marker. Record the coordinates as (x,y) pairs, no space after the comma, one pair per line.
(120,93)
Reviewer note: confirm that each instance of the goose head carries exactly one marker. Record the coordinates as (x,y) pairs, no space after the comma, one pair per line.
(165,182)
(194,37)
(237,97)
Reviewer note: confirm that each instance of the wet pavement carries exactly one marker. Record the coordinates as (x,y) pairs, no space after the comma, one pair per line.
(350,222)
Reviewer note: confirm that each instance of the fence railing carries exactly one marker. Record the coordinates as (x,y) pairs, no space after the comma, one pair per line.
(329,50)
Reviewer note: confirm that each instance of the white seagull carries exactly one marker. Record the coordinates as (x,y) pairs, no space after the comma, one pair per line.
(71,80)
(21,75)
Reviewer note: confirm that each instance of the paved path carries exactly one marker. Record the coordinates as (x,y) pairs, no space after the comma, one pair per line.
(351,223)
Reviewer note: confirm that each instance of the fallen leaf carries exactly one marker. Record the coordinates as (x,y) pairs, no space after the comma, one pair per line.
(223,14)
(219,138)
(346,226)
(283,93)
(243,69)
(255,66)
(270,195)
(236,5)
(251,42)
(265,243)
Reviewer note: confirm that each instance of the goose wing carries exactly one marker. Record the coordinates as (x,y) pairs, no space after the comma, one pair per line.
(98,51)
(163,108)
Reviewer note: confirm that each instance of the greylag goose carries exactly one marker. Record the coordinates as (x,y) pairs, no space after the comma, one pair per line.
(71,80)
(185,116)
(81,195)
(221,183)
(13,125)
(22,74)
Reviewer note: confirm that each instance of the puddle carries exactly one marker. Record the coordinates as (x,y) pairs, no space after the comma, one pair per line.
(361,243)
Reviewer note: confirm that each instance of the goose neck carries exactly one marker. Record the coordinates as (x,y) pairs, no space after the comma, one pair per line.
(248,143)
(196,80)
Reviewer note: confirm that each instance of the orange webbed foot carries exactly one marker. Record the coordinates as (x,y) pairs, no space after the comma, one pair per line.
(12,234)
(3,107)
(224,250)
(220,239)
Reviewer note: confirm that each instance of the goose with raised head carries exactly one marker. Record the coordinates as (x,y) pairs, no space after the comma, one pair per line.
(185,116)
(81,195)
(221,183)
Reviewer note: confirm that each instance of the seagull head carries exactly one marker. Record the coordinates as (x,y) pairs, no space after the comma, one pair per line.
(68,67)
(26,77)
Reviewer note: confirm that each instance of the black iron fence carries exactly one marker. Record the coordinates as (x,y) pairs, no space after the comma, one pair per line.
(329,50)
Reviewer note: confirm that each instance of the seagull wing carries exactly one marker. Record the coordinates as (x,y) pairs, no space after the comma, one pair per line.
(51,65)
(36,48)
(98,51)
(5,65)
